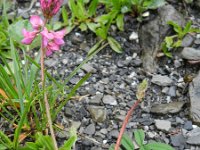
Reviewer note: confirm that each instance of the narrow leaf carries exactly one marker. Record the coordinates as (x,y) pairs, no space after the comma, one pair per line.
(114,45)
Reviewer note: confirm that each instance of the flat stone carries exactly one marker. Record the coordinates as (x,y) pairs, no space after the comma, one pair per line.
(194,93)
(188,125)
(51,62)
(194,140)
(173,107)
(98,113)
(190,53)
(178,140)
(187,40)
(109,100)
(114,133)
(161,80)
(96,99)
(172,91)
(163,125)
(90,129)
(88,68)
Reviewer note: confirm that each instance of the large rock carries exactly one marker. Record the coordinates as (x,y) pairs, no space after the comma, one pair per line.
(153,33)
(194,91)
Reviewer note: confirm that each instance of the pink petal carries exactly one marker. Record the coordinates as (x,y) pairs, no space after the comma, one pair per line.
(48,52)
(53,46)
(60,33)
(59,41)
(46,34)
(36,22)
(27,41)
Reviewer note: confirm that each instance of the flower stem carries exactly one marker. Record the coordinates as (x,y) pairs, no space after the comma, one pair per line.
(125,123)
(47,107)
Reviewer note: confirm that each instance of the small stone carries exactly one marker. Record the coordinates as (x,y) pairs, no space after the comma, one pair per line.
(187,40)
(133,36)
(114,133)
(76,124)
(104,131)
(88,68)
(178,140)
(62,134)
(179,120)
(77,38)
(173,107)
(194,140)
(163,125)
(165,90)
(65,61)
(177,63)
(161,80)
(50,62)
(172,91)
(146,14)
(98,113)
(137,62)
(96,99)
(190,53)
(109,100)
(188,125)
(90,129)
(74,80)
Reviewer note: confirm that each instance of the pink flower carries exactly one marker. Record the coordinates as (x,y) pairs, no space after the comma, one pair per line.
(28,36)
(50,7)
(52,40)
(37,24)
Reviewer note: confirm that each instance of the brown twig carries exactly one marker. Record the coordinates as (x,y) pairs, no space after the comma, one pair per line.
(125,123)
(47,108)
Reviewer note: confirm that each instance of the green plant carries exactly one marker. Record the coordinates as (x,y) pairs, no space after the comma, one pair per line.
(139,136)
(175,41)
(140,6)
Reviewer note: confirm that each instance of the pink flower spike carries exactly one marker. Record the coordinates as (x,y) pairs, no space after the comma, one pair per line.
(36,22)
(28,36)
(50,7)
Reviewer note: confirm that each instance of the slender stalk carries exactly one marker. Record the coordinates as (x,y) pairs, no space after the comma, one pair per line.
(125,122)
(47,107)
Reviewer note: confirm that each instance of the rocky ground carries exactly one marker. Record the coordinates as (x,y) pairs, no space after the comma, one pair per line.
(171,109)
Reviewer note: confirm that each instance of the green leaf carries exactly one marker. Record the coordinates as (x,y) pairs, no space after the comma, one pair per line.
(102,32)
(165,50)
(169,41)
(175,26)
(92,8)
(114,45)
(95,47)
(69,143)
(127,143)
(15,32)
(92,26)
(139,136)
(156,4)
(64,15)
(120,22)
(177,44)
(57,25)
(83,27)
(157,146)
(187,28)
